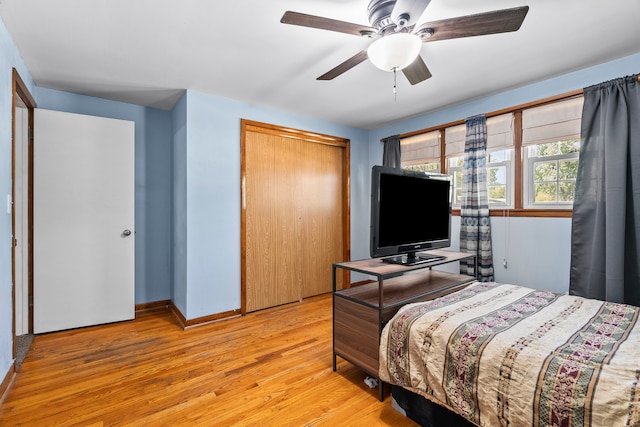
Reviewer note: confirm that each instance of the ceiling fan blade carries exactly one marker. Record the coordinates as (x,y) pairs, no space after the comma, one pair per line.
(417,71)
(413,8)
(499,21)
(312,21)
(345,66)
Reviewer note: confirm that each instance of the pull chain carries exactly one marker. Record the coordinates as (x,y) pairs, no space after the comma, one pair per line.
(395,92)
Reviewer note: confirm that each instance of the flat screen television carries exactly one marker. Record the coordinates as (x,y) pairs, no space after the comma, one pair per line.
(410,213)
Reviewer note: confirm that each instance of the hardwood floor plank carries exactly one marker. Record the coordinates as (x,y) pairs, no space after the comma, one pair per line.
(271,367)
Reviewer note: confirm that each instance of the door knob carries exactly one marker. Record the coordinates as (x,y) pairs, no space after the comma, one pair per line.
(126,233)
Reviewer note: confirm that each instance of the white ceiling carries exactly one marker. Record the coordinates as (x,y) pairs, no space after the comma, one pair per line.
(148,51)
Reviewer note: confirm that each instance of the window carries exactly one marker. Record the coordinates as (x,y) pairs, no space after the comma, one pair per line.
(551,142)
(540,156)
(552,169)
(499,178)
(455,170)
(499,160)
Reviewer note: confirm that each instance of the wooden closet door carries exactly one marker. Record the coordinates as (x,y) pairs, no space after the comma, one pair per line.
(273,275)
(322,216)
(294,226)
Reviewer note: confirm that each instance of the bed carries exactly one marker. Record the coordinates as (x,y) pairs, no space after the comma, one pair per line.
(506,355)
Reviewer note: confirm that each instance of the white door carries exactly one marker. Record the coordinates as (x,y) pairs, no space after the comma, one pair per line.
(83,220)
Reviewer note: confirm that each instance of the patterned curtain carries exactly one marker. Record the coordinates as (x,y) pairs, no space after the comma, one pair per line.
(475,225)
(391,151)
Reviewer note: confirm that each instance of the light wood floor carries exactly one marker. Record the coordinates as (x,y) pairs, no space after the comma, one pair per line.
(270,368)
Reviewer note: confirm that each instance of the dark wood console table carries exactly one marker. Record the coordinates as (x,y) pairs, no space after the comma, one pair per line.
(360,313)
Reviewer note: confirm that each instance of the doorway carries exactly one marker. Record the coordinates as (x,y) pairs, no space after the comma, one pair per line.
(22,217)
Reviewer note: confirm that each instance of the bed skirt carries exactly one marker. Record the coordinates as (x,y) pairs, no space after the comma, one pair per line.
(425,412)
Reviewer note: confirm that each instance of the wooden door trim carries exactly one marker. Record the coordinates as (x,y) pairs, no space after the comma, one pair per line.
(269,129)
(301,135)
(19,89)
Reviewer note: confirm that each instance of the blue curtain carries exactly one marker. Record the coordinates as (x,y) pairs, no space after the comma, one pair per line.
(391,151)
(605,227)
(475,224)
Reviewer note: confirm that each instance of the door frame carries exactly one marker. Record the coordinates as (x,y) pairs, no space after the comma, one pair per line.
(19,89)
(301,135)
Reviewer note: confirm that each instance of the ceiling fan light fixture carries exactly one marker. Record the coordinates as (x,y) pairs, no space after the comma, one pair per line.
(395,51)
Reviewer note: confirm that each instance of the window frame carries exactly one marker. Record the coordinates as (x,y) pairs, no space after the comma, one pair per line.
(510,182)
(530,182)
(451,170)
(509,169)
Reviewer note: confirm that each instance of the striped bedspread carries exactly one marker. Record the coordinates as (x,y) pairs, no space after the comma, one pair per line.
(505,355)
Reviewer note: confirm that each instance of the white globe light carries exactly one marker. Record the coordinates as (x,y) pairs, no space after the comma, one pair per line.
(395,51)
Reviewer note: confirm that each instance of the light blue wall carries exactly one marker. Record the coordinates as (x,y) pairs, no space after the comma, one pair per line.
(544,89)
(540,258)
(9,59)
(152,183)
(213,205)
(213,195)
(537,250)
(179,207)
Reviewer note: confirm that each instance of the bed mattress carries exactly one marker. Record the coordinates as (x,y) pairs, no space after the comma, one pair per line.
(500,354)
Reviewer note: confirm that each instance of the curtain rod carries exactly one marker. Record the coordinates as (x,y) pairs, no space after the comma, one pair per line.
(566,95)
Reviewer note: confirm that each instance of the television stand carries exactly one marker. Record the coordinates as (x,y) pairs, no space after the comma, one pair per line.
(413,258)
(360,313)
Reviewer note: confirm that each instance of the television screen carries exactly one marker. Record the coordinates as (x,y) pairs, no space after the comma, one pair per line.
(410,212)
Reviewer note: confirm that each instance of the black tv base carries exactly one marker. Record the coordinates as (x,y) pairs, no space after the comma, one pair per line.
(412,258)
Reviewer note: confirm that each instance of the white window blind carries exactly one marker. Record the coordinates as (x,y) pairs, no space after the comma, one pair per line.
(500,131)
(558,121)
(419,148)
(454,140)
(499,135)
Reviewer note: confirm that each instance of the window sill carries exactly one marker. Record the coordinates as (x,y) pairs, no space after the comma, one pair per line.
(543,213)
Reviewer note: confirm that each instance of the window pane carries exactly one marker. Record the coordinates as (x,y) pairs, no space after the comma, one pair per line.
(456,162)
(550,149)
(497,175)
(571,146)
(457,178)
(546,193)
(568,169)
(554,148)
(457,200)
(545,171)
(566,191)
(498,156)
(423,167)
(498,194)
(497,184)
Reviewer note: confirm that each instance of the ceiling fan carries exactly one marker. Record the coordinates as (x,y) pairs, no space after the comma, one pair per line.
(397,40)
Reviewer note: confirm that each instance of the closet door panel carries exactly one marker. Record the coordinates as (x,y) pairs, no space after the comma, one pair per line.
(287,195)
(272,275)
(322,217)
